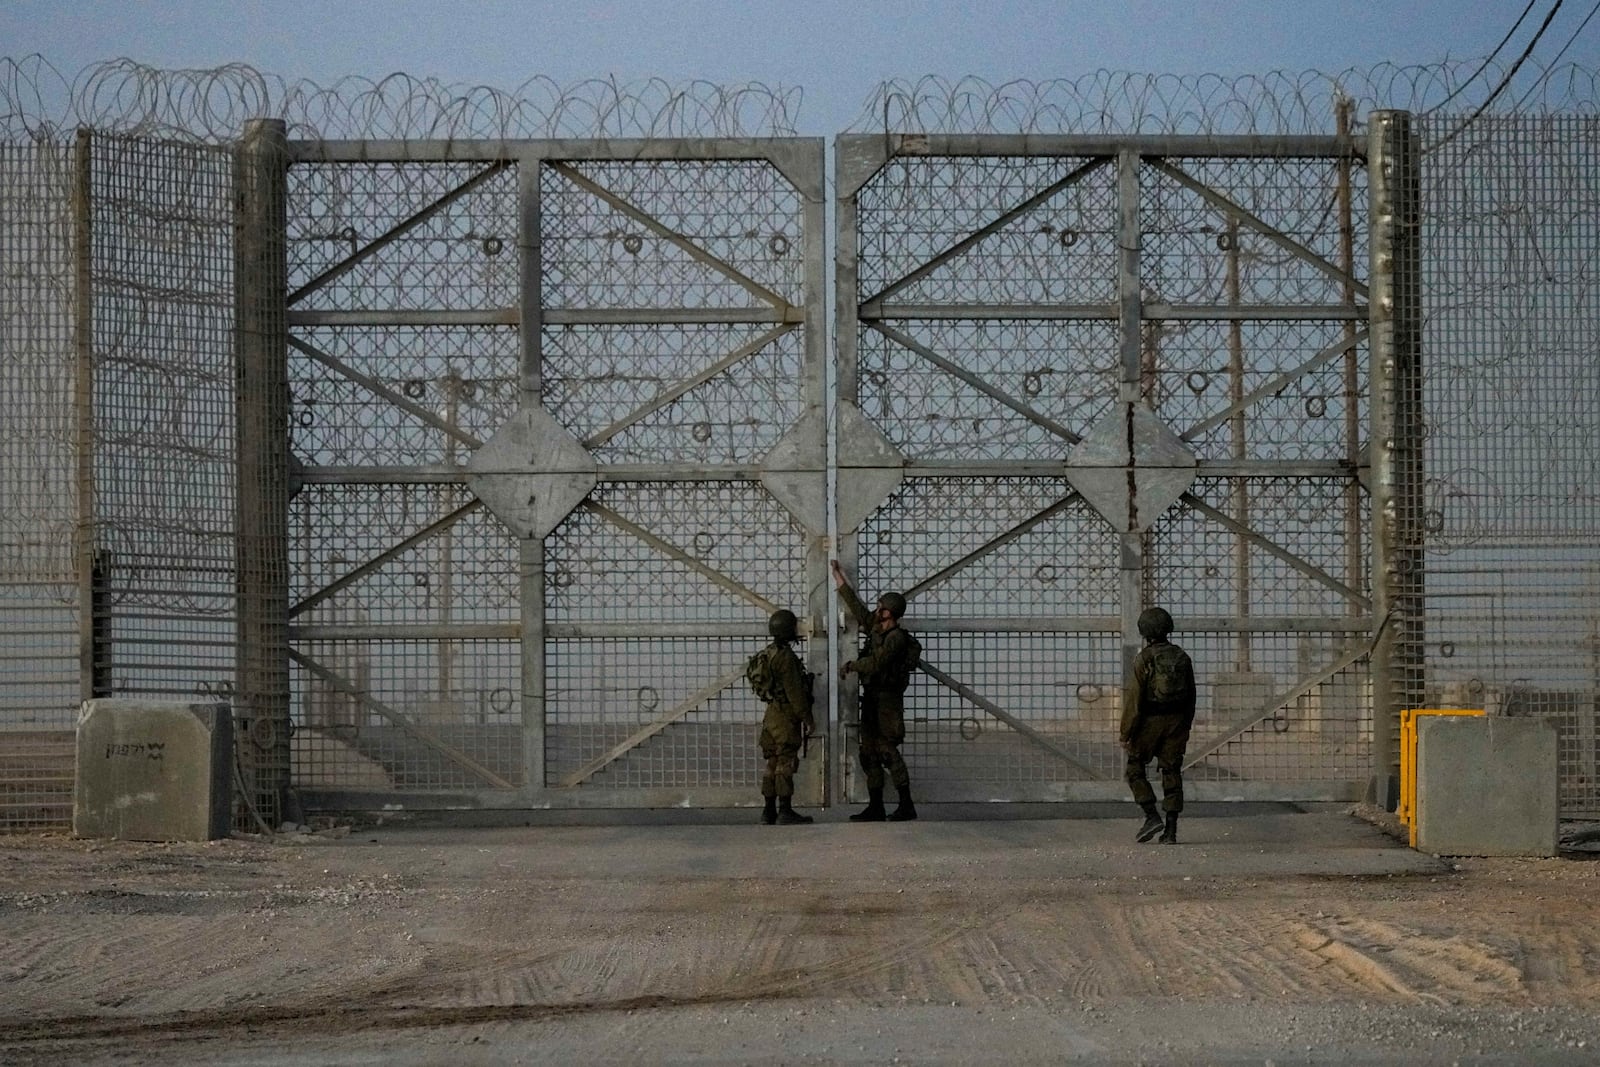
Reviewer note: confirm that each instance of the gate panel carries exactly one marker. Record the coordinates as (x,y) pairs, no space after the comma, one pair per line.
(681,345)
(557,409)
(1115,373)
(404,357)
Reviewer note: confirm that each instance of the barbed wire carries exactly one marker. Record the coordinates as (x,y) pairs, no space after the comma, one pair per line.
(1112,102)
(126,97)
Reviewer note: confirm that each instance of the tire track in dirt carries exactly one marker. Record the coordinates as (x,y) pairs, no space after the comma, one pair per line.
(1559,960)
(61,960)
(1414,963)
(1206,950)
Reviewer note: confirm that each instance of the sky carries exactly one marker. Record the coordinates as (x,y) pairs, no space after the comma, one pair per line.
(835,51)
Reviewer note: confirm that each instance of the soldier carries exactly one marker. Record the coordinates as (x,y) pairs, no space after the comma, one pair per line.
(777,678)
(1157,712)
(887,660)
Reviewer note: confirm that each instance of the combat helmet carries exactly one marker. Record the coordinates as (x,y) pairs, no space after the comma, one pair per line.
(1154,624)
(894,602)
(783,626)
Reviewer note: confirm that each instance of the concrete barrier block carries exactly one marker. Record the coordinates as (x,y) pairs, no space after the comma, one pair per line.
(151,770)
(1487,786)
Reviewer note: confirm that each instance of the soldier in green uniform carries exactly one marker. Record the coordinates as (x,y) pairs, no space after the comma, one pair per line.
(889,656)
(1157,712)
(778,678)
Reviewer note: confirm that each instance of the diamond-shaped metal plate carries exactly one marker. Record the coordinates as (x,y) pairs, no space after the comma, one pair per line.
(871,468)
(532,473)
(1130,467)
(795,471)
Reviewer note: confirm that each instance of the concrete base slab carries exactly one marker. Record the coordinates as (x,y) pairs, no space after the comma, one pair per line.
(153,770)
(1487,786)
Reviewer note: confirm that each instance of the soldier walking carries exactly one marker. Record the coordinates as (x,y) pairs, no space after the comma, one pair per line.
(889,654)
(778,678)
(1157,712)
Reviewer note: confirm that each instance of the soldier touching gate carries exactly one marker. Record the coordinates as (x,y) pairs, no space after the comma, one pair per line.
(889,655)
(1157,712)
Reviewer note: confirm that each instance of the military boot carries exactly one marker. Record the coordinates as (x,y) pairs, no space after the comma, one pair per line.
(787,816)
(1169,836)
(769,814)
(873,812)
(1152,822)
(905,811)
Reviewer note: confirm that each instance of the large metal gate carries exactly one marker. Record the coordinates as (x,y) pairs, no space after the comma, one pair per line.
(1080,376)
(552,437)
(558,450)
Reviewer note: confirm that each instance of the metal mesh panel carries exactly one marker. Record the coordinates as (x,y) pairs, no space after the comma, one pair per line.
(162,225)
(369,578)
(1245,730)
(465,374)
(597,377)
(668,339)
(1197,562)
(1187,242)
(608,698)
(420,716)
(39,450)
(1064,370)
(1063,251)
(628,701)
(1064,565)
(669,292)
(1298,414)
(1056,684)
(404,596)
(597,571)
(436,247)
(1510,230)
(609,229)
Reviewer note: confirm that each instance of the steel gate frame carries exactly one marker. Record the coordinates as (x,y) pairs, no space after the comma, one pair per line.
(532,473)
(1150,466)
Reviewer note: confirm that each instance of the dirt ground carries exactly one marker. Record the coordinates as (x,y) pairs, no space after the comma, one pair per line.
(1036,934)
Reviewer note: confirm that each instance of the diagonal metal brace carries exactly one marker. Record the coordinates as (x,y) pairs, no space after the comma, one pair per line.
(967,693)
(396,232)
(655,726)
(1233,210)
(671,550)
(987,547)
(1310,570)
(383,557)
(348,688)
(1270,709)
(911,343)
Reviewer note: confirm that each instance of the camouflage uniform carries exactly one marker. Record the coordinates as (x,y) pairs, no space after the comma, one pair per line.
(786,723)
(885,668)
(1158,730)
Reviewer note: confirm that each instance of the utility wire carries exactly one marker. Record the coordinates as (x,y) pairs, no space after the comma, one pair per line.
(1486,61)
(1552,65)
(1505,81)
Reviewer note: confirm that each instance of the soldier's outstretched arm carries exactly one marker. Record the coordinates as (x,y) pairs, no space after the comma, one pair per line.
(852,602)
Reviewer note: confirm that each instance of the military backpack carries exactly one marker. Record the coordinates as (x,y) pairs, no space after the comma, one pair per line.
(764,680)
(1168,681)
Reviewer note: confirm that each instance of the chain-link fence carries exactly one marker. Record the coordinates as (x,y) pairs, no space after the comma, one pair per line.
(39,479)
(1511,526)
